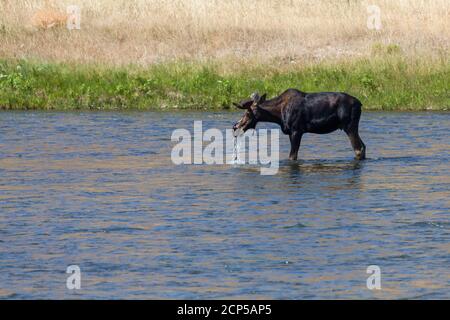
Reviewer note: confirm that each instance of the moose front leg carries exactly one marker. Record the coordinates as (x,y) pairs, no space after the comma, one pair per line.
(296,138)
(357,144)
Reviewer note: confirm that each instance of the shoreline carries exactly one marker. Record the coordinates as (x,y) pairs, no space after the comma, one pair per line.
(382,83)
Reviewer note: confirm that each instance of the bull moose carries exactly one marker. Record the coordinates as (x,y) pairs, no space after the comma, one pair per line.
(298,112)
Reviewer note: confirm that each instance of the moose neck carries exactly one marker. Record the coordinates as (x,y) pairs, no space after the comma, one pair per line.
(270,114)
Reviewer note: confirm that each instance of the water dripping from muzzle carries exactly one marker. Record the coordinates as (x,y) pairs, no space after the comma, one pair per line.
(238,139)
(236,149)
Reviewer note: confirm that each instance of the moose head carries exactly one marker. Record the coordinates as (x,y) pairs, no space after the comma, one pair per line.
(251,115)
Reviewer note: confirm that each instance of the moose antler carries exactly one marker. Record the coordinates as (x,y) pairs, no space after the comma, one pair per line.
(254,96)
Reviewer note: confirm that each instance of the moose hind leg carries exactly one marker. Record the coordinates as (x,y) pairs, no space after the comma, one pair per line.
(296,138)
(358,145)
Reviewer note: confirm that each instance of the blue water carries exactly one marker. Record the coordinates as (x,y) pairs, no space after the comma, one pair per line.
(99,190)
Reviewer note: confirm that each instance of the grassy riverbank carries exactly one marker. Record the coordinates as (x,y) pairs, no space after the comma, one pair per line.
(204,54)
(381,82)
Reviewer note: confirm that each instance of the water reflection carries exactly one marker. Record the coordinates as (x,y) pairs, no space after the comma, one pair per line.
(318,166)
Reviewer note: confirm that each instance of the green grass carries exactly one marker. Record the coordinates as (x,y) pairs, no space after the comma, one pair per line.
(382,83)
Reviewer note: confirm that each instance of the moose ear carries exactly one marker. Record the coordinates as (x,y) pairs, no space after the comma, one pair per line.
(262,98)
(237,105)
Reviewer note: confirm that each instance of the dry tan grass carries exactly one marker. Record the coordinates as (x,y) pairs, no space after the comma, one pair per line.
(143,32)
(48,18)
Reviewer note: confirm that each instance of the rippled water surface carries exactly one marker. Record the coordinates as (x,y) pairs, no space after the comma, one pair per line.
(99,190)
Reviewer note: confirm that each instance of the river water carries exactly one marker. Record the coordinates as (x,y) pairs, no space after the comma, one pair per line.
(99,190)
